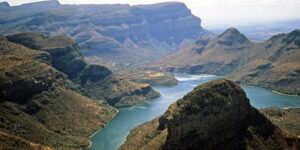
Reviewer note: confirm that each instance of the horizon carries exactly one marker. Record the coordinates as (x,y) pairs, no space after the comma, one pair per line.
(211,12)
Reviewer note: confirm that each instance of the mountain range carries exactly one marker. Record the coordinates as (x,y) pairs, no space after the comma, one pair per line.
(51,97)
(273,64)
(112,33)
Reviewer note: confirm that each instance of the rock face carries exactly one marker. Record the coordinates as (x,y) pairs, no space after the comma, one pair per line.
(118,33)
(95,81)
(273,64)
(51,98)
(38,106)
(215,115)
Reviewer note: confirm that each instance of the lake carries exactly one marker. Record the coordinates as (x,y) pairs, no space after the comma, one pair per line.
(114,133)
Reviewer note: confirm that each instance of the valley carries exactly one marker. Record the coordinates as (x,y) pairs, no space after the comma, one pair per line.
(114,133)
(135,75)
(273,64)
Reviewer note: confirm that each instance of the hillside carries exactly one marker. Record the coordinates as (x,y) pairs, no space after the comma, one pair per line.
(215,115)
(37,105)
(288,118)
(94,81)
(273,64)
(51,98)
(151,77)
(113,33)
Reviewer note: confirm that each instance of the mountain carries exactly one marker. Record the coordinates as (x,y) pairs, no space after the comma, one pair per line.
(287,118)
(273,64)
(215,115)
(94,81)
(114,33)
(51,98)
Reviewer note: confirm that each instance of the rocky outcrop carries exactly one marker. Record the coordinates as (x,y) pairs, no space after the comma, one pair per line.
(273,64)
(38,108)
(114,33)
(215,115)
(94,81)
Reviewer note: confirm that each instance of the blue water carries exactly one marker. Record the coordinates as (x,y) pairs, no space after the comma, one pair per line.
(114,133)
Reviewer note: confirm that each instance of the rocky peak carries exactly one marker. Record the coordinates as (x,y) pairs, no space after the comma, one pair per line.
(231,36)
(215,115)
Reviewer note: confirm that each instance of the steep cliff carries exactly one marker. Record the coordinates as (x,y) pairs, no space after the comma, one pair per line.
(94,81)
(114,33)
(38,109)
(51,98)
(273,64)
(215,115)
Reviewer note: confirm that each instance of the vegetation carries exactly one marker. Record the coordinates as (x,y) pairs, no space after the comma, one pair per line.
(46,90)
(117,33)
(288,119)
(153,78)
(273,64)
(215,115)
(94,81)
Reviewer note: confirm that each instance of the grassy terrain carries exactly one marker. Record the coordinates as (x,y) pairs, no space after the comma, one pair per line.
(118,33)
(52,98)
(37,105)
(94,81)
(215,115)
(153,78)
(273,64)
(288,119)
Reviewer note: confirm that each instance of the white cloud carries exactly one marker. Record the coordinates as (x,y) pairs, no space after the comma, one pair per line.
(217,12)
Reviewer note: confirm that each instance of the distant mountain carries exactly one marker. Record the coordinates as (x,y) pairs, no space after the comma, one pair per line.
(273,64)
(51,97)
(114,33)
(215,115)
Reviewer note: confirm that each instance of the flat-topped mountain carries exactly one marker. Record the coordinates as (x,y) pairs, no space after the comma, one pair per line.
(114,33)
(273,64)
(52,98)
(215,115)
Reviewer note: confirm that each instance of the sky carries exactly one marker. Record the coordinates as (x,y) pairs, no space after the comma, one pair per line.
(216,13)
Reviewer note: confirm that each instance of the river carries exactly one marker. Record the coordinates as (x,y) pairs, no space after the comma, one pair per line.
(114,133)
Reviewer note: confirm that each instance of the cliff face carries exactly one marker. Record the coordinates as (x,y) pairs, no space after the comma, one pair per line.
(118,33)
(38,107)
(273,64)
(215,115)
(94,81)
(51,98)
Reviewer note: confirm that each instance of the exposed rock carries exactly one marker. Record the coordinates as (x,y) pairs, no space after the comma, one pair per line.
(118,33)
(272,64)
(37,108)
(95,81)
(215,115)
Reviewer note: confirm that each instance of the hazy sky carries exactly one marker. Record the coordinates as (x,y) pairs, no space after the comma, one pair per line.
(216,12)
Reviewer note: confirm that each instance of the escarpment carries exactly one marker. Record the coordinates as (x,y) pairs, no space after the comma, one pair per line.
(51,98)
(113,33)
(94,81)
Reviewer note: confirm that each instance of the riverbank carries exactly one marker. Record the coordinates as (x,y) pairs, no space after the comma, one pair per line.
(90,142)
(283,93)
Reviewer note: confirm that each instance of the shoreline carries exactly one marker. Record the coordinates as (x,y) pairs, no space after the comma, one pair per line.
(274,91)
(93,134)
(283,93)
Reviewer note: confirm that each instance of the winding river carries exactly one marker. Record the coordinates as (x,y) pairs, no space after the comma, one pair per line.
(114,133)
